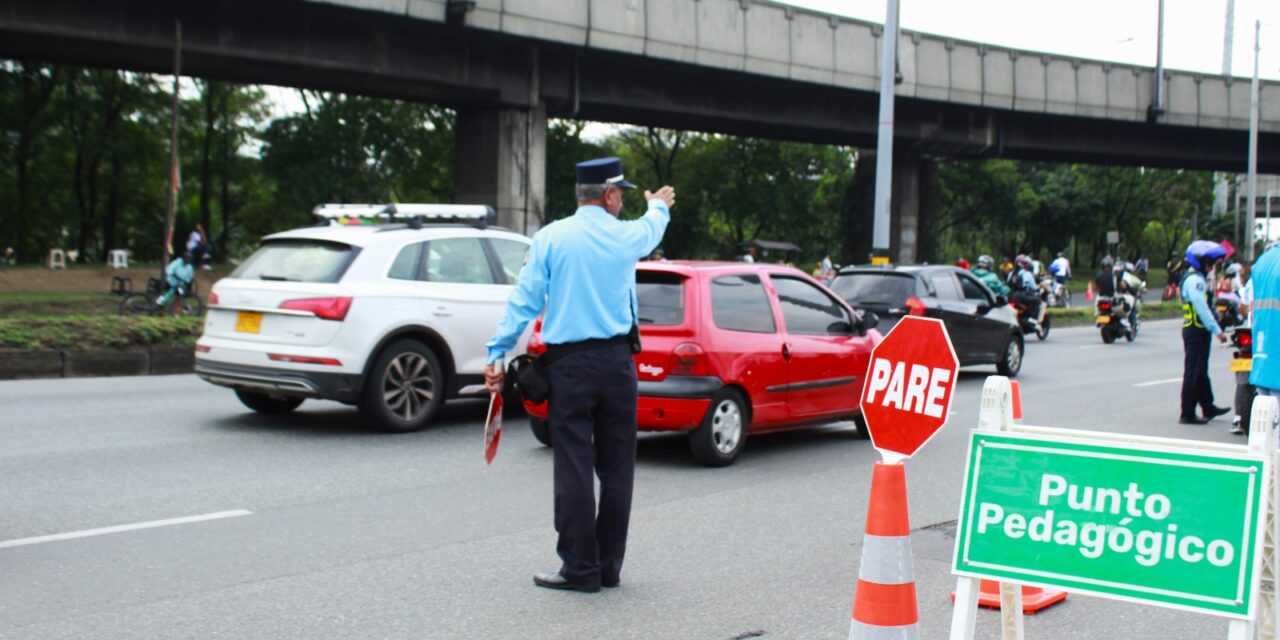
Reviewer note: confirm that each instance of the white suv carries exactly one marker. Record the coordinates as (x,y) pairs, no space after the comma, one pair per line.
(390,317)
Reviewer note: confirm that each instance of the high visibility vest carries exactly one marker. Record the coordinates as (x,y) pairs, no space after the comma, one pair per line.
(1189,316)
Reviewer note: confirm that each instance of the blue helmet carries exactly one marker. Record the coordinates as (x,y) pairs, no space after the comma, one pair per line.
(1201,253)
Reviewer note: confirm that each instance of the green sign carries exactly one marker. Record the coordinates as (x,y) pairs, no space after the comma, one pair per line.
(1156,525)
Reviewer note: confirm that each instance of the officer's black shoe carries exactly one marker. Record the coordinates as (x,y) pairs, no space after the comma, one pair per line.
(1213,412)
(557,581)
(610,583)
(1192,420)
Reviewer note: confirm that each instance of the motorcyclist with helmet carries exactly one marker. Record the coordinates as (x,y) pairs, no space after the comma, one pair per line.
(1026,292)
(985,270)
(1128,288)
(1105,282)
(1198,329)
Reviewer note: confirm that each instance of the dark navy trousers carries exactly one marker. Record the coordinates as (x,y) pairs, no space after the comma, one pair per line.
(592,419)
(1195,371)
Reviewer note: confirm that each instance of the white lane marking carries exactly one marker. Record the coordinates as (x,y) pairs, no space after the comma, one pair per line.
(1156,382)
(72,535)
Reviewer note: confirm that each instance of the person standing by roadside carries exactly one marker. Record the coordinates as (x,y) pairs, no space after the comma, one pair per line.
(1198,329)
(826,270)
(582,271)
(198,246)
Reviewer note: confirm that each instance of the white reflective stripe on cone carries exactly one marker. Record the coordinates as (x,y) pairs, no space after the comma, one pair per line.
(886,560)
(862,631)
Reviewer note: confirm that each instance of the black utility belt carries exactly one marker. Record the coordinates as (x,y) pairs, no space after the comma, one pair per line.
(556,351)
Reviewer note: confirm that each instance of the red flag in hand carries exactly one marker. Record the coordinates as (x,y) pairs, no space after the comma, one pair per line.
(493,428)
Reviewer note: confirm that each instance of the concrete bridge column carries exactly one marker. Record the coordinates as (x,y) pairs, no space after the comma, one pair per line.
(500,160)
(909,241)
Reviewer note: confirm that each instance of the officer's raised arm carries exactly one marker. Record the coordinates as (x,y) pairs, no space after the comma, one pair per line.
(645,234)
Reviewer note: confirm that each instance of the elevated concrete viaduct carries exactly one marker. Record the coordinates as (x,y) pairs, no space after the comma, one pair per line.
(746,67)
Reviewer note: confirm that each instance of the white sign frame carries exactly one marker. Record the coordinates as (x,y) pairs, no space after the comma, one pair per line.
(996,414)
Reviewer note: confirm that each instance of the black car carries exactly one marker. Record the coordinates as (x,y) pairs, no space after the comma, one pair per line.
(983,328)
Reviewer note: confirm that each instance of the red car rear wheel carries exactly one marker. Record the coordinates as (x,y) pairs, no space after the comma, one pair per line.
(720,438)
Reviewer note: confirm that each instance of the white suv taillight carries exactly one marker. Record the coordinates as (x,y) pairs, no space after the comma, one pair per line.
(324,308)
(688,359)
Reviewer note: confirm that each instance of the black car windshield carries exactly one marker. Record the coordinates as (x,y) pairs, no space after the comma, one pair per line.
(889,289)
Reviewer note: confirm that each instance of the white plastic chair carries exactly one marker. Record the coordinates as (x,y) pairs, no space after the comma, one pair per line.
(118,259)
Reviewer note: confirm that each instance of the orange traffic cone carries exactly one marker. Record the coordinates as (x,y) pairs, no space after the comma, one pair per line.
(1088,292)
(885,603)
(1016,391)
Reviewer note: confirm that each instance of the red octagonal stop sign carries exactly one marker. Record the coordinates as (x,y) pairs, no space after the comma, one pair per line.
(909,385)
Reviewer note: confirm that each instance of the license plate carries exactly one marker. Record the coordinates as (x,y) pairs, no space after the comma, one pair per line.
(1104,319)
(248,322)
(1241,364)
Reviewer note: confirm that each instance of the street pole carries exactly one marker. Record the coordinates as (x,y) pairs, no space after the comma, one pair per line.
(1253,136)
(1270,195)
(1228,41)
(884,139)
(171,210)
(1158,107)
(1228,37)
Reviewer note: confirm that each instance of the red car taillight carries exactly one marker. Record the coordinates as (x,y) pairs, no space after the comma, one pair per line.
(213,298)
(536,346)
(324,308)
(915,307)
(688,359)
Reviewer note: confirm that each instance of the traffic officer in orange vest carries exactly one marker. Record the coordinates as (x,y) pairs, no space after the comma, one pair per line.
(582,271)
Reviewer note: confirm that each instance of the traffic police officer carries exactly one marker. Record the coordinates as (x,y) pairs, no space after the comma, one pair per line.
(1198,326)
(582,271)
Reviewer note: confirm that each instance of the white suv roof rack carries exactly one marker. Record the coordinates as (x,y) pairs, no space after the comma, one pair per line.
(414,213)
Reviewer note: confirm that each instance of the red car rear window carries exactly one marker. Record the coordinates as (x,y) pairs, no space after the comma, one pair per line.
(661,298)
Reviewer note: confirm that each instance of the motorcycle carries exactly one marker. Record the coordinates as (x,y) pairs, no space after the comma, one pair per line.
(1026,323)
(1241,366)
(1109,315)
(1227,311)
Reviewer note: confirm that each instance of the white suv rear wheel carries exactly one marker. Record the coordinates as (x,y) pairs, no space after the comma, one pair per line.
(405,387)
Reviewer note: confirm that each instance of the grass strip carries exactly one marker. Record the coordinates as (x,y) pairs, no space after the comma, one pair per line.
(83,332)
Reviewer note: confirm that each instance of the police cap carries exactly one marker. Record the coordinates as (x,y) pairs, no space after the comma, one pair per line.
(602,171)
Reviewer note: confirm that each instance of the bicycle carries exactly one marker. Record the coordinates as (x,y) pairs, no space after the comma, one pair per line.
(181,300)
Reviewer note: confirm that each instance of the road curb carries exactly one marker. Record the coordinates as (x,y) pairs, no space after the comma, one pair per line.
(22,364)
(83,363)
(171,359)
(17,364)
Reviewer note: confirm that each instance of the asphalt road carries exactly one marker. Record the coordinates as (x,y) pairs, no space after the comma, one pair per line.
(321,528)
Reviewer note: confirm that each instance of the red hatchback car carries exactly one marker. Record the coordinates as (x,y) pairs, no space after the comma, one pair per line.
(731,349)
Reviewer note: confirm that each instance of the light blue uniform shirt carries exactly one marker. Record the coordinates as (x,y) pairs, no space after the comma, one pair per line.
(582,271)
(1195,293)
(179,272)
(1265,278)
